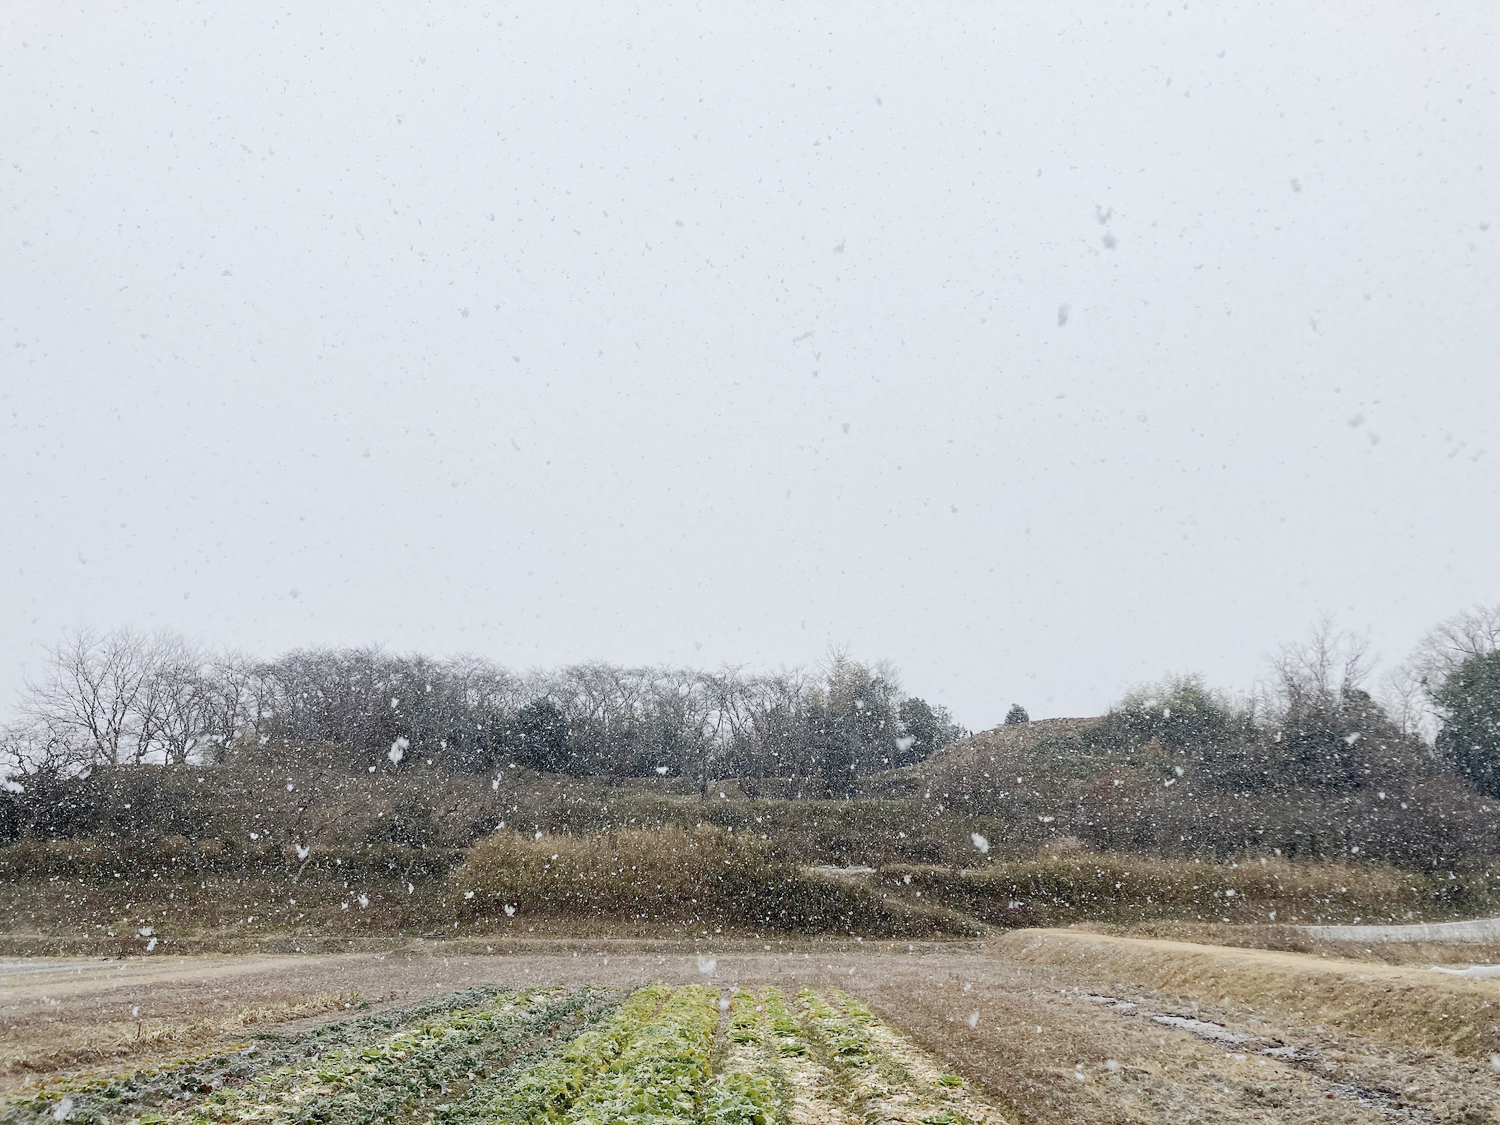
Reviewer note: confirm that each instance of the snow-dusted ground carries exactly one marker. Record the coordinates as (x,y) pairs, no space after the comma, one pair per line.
(1473,972)
(1476,929)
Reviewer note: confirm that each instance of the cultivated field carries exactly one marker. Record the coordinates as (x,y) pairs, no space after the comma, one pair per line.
(1039,1026)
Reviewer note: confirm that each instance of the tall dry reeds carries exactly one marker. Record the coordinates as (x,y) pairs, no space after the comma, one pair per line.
(670,873)
(655,871)
(1120,888)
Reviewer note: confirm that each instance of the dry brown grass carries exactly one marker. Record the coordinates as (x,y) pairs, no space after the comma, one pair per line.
(671,873)
(118,1040)
(1296,939)
(1058,889)
(620,871)
(107,917)
(1405,1006)
(182,1036)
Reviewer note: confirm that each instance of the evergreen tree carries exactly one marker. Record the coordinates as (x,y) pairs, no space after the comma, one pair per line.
(1470,703)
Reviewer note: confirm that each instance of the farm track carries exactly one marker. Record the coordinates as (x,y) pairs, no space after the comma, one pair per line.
(1050,1027)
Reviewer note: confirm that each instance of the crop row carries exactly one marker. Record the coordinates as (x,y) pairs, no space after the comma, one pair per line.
(752,1087)
(546,1091)
(549,1057)
(878,1074)
(651,1063)
(369,1085)
(355,1072)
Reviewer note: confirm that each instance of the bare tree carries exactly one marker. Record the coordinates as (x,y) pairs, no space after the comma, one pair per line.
(1316,674)
(91,690)
(1327,732)
(175,706)
(1404,695)
(237,699)
(782,703)
(1410,688)
(39,747)
(726,720)
(121,698)
(1475,632)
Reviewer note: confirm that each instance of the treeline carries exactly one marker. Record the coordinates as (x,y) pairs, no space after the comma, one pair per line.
(125,739)
(1311,765)
(122,699)
(1314,727)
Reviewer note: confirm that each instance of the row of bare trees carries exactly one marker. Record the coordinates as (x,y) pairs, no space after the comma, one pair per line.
(124,698)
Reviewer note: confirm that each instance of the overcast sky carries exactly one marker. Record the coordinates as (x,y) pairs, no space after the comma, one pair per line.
(1040,349)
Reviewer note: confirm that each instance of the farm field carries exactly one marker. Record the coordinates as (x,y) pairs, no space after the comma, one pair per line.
(590,1055)
(1036,1026)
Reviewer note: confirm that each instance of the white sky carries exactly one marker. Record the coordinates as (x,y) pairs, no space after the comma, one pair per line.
(723,333)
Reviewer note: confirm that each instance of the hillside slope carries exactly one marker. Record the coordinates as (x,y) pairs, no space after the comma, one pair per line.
(979,761)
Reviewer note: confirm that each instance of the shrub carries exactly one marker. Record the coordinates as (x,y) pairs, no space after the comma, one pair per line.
(622,871)
(670,873)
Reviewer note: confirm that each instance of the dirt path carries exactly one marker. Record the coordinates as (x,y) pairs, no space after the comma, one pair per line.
(1476,929)
(1065,1027)
(18,979)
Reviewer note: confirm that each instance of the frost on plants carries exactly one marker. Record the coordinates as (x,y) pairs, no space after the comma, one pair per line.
(547,1057)
(751,1087)
(354,1072)
(881,1075)
(659,1078)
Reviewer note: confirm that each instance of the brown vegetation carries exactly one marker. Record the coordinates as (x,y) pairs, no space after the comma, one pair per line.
(196,894)
(1402,1005)
(1057,889)
(672,874)
(1121,789)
